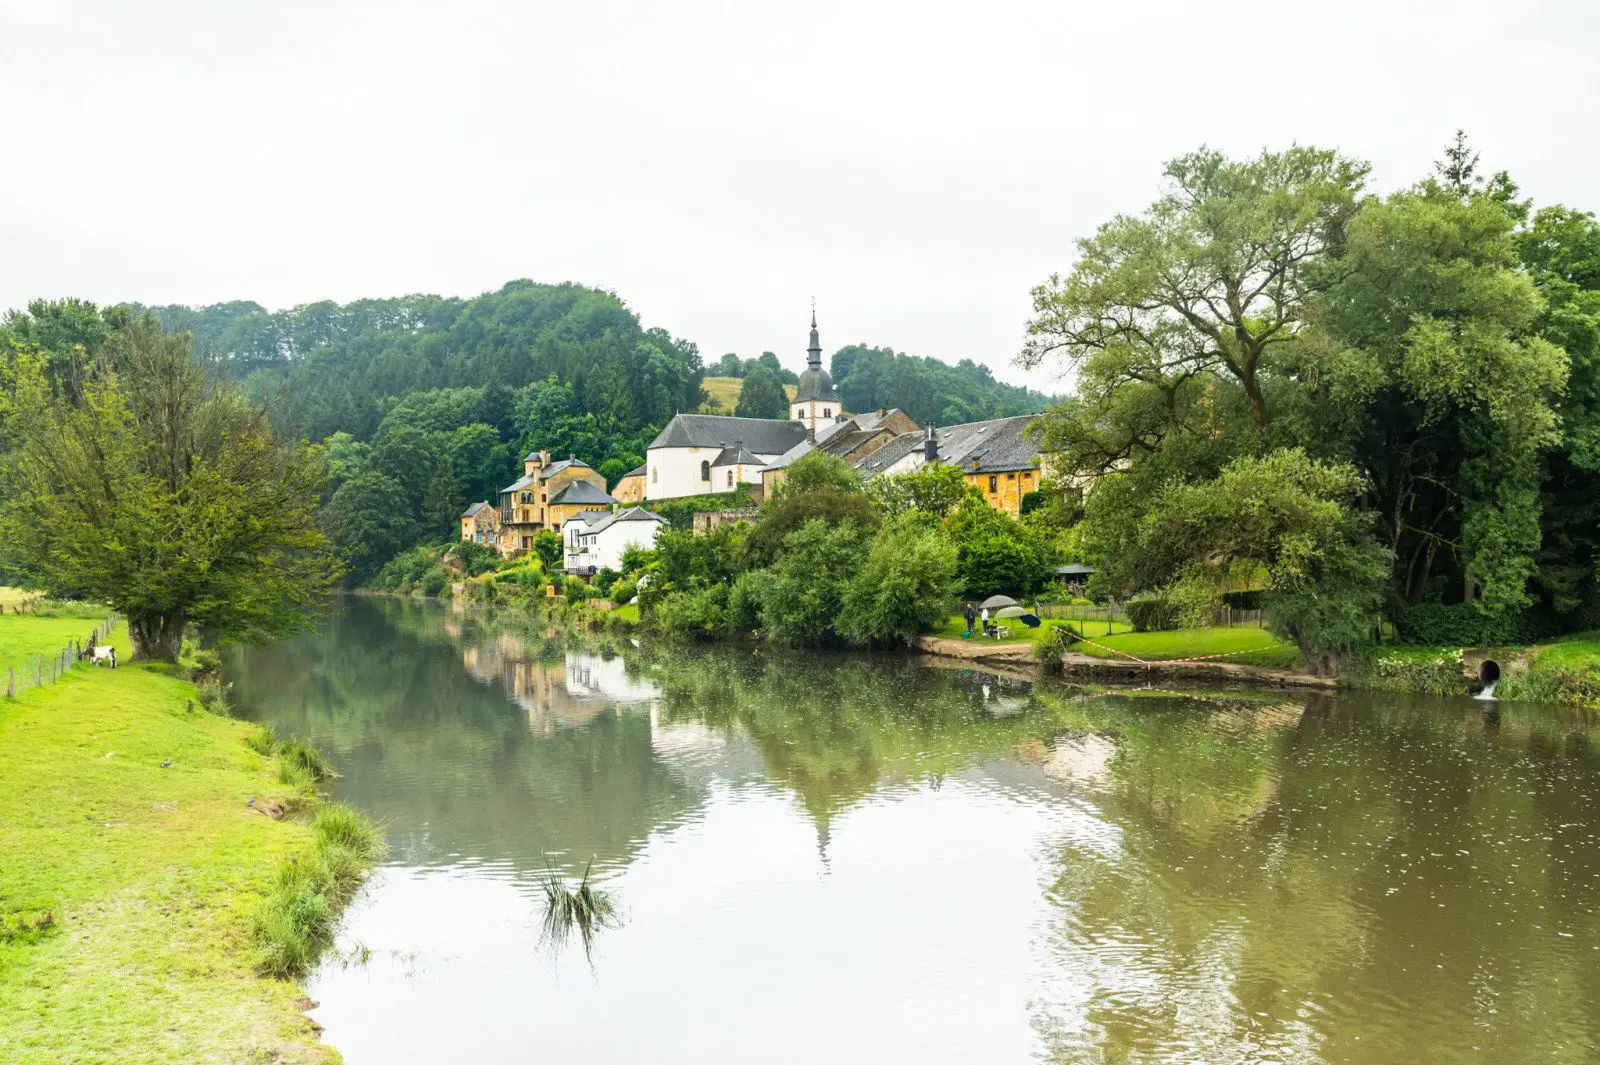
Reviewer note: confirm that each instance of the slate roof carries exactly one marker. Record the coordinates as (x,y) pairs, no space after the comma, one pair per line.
(785,460)
(470,511)
(891,452)
(635,473)
(556,467)
(520,483)
(631,514)
(763,436)
(736,454)
(588,517)
(998,445)
(574,492)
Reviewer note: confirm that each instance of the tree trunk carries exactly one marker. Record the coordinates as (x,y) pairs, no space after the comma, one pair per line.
(156,637)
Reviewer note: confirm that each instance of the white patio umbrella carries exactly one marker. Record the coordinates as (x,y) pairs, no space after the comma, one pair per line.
(996,601)
(1010,612)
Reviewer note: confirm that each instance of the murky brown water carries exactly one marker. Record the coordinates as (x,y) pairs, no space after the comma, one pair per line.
(824,858)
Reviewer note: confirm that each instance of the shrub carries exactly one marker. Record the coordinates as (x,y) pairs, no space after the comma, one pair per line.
(624,591)
(1150,613)
(1055,643)
(605,580)
(435,581)
(212,695)
(744,600)
(802,598)
(903,587)
(696,614)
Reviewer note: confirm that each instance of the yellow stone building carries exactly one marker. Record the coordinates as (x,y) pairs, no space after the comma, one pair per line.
(547,494)
(480,524)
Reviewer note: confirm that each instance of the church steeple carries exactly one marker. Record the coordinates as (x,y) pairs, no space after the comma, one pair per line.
(814,352)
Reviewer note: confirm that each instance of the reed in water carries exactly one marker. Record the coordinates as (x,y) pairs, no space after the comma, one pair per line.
(586,908)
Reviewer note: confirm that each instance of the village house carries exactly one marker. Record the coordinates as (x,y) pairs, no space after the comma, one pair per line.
(593,541)
(540,499)
(850,438)
(630,489)
(997,457)
(479,524)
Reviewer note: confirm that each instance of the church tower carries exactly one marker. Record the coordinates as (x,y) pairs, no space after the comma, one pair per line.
(815,403)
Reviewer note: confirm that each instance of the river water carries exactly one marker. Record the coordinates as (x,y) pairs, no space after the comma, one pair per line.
(823,858)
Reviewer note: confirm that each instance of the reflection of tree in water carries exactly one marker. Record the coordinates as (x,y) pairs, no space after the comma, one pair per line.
(444,759)
(1376,881)
(837,730)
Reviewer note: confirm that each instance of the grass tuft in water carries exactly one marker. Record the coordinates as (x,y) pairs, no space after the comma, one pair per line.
(301,765)
(294,925)
(585,908)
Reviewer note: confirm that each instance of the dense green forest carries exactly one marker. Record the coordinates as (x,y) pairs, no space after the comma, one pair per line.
(1363,405)
(928,390)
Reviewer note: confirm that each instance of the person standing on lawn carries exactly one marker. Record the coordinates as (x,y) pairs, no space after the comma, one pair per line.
(972,615)
(986,621)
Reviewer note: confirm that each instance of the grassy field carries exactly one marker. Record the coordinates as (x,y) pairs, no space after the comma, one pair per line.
(128,888)
(724,392)
(13,597)
(1258,646)
(24,637)
(628,612)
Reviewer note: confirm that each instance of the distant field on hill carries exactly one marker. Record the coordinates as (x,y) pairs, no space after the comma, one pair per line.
(724,391)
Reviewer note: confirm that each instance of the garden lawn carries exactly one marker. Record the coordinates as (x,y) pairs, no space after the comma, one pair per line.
(144,877)
(628,612)
(1021,635)
(23,637)
(1258,646)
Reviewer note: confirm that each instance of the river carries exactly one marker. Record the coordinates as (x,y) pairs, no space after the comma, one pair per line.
(827,858)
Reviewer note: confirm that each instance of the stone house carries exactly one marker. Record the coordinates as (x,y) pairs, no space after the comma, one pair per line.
(479,524)
(525,504)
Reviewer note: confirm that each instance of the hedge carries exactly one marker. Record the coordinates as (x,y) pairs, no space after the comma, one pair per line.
(1464,625)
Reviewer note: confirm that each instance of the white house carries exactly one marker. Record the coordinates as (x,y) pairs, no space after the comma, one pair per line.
(595,541)
(679,461)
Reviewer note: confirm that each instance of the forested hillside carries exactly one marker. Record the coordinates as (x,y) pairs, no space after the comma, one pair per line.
(426,403)
(925,388)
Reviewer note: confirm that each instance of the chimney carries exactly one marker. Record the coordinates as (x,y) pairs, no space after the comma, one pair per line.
(882,411)
(930,446)
(571,457)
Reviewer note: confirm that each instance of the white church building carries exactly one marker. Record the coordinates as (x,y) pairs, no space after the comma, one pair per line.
(702,454)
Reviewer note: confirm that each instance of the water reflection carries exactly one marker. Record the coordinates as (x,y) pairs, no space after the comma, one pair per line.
(866,860)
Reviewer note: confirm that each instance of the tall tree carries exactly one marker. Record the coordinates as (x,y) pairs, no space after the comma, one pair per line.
(1213,278)
(159,491)
(761,397)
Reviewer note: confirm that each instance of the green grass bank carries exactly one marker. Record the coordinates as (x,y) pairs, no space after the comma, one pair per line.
(134,894)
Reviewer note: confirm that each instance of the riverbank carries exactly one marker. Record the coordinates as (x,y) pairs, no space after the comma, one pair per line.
(126,929)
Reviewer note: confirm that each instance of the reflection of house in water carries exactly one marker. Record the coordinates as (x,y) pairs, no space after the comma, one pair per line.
(568,691)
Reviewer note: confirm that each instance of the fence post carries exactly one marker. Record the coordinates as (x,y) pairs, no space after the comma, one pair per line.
(38,672)
(11,682)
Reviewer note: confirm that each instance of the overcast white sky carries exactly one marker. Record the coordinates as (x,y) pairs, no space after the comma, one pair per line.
(914,166)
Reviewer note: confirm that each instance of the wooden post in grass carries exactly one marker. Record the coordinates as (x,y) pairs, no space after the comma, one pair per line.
(11,682)
(38,672)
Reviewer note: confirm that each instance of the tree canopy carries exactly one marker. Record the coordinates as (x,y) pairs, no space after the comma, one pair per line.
(1267,334)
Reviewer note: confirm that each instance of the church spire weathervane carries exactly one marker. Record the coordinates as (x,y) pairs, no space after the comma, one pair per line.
(814,352)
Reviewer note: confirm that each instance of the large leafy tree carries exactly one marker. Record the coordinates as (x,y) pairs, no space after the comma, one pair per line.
(1433,379)
(1285,513)
(760,396)
(1213,279)
(904,585)
(157,489)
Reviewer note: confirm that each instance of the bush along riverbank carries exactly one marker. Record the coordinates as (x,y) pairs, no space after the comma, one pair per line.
(176,865)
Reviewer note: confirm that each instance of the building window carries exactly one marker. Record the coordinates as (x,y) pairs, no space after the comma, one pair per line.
(730,478)
(994,483)
(826,413)
(1011,477)
(654,475)
(705,471)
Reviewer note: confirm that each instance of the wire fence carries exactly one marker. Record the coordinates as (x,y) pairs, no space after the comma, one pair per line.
(1092,618)
(47,669)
